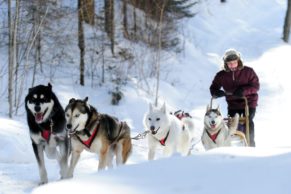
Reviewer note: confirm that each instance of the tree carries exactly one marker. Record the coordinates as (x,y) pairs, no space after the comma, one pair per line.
(287,23)
(88,11)
(160,23)
(124,10)
(12,51)
(81,41)
(109,22)
(10,61)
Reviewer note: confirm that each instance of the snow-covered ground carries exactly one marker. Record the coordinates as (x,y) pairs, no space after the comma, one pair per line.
(252,27)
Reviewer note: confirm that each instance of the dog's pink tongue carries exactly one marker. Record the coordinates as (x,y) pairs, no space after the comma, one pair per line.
(38,117)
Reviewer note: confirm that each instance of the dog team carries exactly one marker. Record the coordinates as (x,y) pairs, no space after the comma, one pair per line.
(63,134)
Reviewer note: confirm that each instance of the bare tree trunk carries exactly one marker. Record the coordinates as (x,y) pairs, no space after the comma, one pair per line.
(36,34)
(38,37)
(287,23)
(158,61)
(88,11)
(109,22)
(103,59)
(10,61)
(112,40)
(134,21)
(12,53)
(81,42)
(15,55)
(124,10)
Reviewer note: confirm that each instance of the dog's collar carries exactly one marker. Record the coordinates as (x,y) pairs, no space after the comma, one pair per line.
(163,141)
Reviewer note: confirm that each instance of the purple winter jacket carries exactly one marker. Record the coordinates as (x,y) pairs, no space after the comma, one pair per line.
(244,77)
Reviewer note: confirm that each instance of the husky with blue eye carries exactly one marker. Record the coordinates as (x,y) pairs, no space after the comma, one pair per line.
(99,133)
(46,121)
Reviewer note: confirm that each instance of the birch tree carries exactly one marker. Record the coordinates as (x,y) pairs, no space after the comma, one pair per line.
(12,52)
(158,61)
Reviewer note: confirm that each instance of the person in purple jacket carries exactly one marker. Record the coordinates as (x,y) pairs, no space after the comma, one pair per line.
(234,82)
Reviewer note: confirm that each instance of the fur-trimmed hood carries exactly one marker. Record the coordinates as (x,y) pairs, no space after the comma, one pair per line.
(230,55)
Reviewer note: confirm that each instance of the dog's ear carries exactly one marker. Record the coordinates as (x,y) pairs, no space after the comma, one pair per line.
(163,109)
(49,85)
(29,90)
(86,99)
(207,108)
(151,107)
(218,108)
(86,102)
(72,100)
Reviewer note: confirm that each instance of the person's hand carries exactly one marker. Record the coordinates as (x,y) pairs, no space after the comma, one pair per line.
(219,93)
(239,92)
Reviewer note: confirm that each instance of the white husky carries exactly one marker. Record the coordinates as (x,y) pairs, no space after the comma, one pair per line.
(216,132)
(167,130)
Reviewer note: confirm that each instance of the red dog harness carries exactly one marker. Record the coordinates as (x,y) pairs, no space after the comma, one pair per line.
(214,136)
(46,134)
(163,141)
(89,141)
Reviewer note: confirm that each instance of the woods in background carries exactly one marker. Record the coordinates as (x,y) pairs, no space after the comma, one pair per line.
(41,36)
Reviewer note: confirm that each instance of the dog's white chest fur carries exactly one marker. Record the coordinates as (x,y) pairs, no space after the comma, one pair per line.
(168,131)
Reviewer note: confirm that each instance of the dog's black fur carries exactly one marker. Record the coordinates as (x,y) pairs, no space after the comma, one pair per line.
(54,124)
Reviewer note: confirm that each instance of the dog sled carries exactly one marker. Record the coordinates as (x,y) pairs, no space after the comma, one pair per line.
(241,137)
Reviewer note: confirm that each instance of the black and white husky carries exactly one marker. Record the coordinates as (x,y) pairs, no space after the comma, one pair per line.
(216,133)
(46,121)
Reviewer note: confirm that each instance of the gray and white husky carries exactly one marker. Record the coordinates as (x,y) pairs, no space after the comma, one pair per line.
(46,121)
(216,133)
(97,133)
(167,131)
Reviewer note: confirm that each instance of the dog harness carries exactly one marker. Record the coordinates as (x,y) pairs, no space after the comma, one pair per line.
(163,141)
(214,136)
(46,133)
(181,114)
(89,141)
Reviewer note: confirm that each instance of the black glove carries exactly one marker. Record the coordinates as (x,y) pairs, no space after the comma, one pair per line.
(239,92)
(219,93)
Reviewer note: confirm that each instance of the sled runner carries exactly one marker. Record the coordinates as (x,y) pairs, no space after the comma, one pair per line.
(241,137)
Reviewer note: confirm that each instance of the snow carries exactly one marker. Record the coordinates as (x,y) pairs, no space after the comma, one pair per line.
(252,27)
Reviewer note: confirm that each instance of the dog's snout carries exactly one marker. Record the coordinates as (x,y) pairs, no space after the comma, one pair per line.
(37,108)
(69,126)
(212,122)
(152,128)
